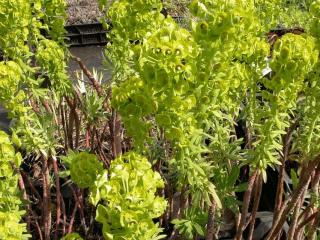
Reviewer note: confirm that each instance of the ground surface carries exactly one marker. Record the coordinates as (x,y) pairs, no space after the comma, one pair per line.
(83,11)
(92,56)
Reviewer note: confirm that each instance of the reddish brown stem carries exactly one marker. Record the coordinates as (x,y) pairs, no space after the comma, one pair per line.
(63,207)
(64,127)
(88,137)
(285,153)
(286,208)
(81,211)
(35,217)
(316,190)
(71,126)
(46,106)
(72,218)
(313,228)
(77,128)
(210,224)
(86,71)
(25,197)
(38,230)
(78,197)
(92,142)
(33,189)
(115,131)
(46,198)
(104,131)
(294,222)
(245,206)
(102,155)
(257,196)
(308,219)
(34,106)
(58,195)
(72,106)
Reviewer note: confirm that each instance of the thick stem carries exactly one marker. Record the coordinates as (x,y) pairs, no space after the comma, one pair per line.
(25,197)
(286,208)
(63,120)
(46,199)
(38,230)
(77,128)
(257,196)
(210,224)
(58,195)
(71,124)
(309,219)
(32,187)
(294,222)
(92,142)
(63,207)
(115,130)
(88,136)
(81,211)
(285,153)
(245,206)
(100,150)
(34,106)
(315,187)
(46,105)
(86,71)
(72,218)
(313,227)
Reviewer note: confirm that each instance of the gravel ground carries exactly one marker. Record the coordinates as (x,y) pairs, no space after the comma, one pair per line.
(83,11)
(87,11)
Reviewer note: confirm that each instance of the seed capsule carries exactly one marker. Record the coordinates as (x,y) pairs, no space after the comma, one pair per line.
(204,26)
(178,68)
(178,52)
(168,52)
(158,51)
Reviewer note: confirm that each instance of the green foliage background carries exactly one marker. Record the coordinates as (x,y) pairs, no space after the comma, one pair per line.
(180,91)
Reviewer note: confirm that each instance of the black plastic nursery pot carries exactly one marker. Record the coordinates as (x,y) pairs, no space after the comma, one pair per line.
(91,33)
(85,34)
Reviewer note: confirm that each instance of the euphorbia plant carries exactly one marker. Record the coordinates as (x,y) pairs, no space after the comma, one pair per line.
(183,93)
(11,212)
(192,85)
(124,195)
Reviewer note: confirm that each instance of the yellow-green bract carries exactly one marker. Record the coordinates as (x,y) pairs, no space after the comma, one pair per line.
(11,227)
(125,194)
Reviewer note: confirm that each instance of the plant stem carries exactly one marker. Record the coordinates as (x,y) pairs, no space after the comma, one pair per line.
(58,195)
(308,219)
(86,71)
(286,208)
(115,131)
(25,197)
(315,189)
(245,207)
(46,198)
(256,202)
(210,224)
(313,228)
(295,217)
(285,152)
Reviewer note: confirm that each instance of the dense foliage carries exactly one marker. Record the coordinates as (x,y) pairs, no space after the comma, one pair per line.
(11,227)
(184,87)
(187,121)
(129,197)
